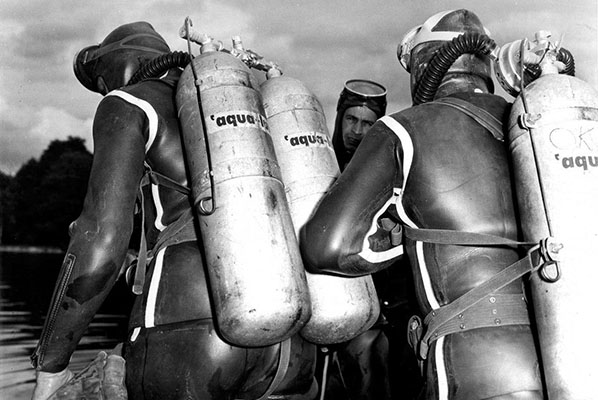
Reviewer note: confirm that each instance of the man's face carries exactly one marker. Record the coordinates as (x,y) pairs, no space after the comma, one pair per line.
(356,122)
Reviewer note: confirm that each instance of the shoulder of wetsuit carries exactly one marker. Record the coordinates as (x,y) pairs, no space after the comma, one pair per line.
(496,105)
(492,103)
(159,93)
(150,88)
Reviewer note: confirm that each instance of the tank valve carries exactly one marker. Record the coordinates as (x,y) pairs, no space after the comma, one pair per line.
(206,42)
(510,68)
(254,60)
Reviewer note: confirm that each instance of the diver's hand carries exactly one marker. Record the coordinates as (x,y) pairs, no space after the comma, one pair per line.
(49,382)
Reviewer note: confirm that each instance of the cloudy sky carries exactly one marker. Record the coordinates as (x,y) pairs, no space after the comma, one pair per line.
(321,42)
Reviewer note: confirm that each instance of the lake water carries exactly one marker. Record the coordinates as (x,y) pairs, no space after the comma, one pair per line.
(26,285)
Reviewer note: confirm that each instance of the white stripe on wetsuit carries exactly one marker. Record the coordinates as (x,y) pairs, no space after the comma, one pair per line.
(407,145)
(152,295)
(159,209)
(379,256)
(443,392)
(147,108)
(407,160)
(152,116)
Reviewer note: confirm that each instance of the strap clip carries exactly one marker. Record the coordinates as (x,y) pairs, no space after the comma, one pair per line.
(550,256)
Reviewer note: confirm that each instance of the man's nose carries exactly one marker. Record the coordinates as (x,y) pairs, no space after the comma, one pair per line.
(358,128)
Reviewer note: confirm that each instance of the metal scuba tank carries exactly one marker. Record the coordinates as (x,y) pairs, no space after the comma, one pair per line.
(553,139)
(256,276)
(342,307)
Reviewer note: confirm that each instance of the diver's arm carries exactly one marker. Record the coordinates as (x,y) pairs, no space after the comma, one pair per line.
(100,235)
(344,234)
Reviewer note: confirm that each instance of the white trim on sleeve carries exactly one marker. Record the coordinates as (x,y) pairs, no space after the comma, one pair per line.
(408,151)
(147,108)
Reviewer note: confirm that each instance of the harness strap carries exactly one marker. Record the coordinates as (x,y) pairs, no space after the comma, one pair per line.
(140,269)
(448,236)
(157,178)
(493,310)
(181,230)
(490,311)
(437,322)
(341,377)
(481,116)
(448,319)
(281,370)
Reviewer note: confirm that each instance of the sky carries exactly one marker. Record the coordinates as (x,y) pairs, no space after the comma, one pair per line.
(323,43)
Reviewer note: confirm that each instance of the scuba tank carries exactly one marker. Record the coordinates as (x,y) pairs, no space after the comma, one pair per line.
(256,276)
(553,140)
(342,307)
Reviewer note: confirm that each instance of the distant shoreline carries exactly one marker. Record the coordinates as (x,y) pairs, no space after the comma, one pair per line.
(30,249)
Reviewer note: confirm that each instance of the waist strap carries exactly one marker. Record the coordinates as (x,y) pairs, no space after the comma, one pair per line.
(491,311)
(446,319)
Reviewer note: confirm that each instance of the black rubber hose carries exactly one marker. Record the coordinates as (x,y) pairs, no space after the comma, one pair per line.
(566,57)
(160,65)
(466,43)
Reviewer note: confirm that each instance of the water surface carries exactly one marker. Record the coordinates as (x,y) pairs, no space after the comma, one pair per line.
(26,285)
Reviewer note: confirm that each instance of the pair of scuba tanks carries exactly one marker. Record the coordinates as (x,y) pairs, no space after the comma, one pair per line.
(260,159)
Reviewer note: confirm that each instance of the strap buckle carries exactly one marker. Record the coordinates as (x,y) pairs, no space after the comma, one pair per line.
(415,333)
(548,265)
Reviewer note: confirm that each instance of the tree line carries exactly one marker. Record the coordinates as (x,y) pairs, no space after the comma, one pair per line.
(45,195)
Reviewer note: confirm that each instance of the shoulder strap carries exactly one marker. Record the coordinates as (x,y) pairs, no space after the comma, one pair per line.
(481,116)
(157,178)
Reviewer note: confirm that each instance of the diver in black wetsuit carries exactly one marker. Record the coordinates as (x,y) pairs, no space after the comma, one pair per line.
(173,350)
(435,166)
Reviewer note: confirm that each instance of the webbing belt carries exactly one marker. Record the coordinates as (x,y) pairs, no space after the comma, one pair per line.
(446,319)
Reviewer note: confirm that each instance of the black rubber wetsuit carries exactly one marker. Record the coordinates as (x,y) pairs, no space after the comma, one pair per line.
(432,166)
(173,350)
